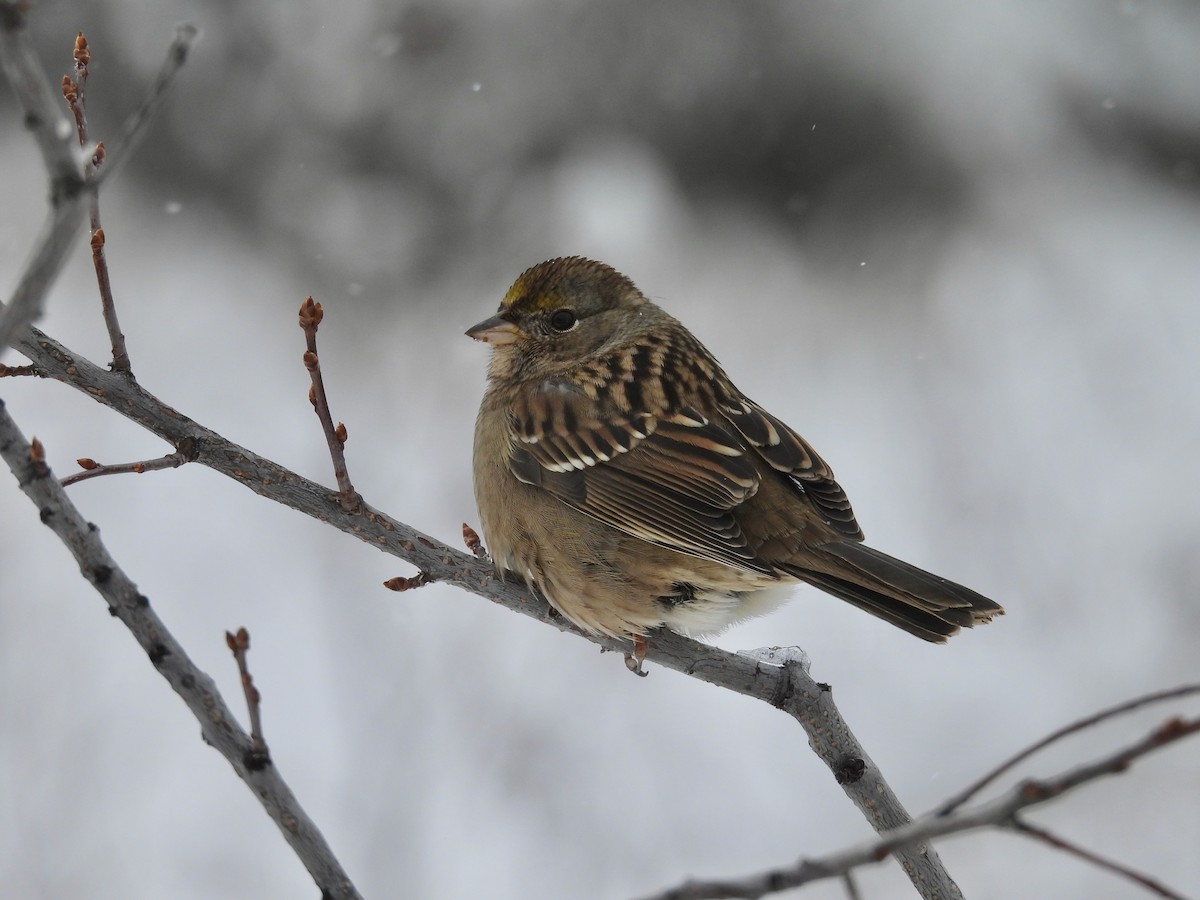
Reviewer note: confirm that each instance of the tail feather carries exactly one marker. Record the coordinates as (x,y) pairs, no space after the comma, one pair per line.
(923,604)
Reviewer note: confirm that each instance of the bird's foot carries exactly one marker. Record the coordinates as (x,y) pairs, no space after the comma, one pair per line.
(637,656)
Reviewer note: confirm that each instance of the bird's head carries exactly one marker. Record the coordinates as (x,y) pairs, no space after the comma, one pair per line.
(561,313)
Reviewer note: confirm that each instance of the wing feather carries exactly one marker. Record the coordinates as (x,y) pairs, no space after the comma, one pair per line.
(787,452)
(674,481)
(673,477)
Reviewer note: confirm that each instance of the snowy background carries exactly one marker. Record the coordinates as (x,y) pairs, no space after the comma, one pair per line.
(954,245)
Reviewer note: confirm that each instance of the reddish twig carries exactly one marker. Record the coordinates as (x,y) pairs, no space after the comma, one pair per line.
(260,756)
(73,90)
(311,314)
(73,93)
(108,307)
(82,54)
(1041,834)
(186,452)
(1146,700)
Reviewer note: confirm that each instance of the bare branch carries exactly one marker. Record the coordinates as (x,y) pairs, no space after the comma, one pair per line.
(1000,812)
(1157,697)
(108,307)
(311,314)
(239,644)
(1040,834)
(73,93)
(168,657)
(92,469)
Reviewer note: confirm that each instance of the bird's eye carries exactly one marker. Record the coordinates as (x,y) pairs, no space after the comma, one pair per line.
(562,320)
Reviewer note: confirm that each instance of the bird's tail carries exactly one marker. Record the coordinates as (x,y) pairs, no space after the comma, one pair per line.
(920,602)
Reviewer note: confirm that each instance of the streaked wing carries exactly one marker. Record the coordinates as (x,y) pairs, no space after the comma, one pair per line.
(673,479)
(789,453)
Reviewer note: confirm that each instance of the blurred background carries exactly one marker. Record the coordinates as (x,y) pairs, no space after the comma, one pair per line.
(954,245)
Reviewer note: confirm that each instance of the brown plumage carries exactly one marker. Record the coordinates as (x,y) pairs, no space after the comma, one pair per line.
(622,475)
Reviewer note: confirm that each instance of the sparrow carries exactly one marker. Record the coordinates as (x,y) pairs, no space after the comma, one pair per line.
(624,478)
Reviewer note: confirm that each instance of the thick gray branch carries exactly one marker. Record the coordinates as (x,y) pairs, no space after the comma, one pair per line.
(168,657)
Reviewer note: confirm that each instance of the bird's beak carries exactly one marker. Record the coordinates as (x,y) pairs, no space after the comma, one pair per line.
(496,331)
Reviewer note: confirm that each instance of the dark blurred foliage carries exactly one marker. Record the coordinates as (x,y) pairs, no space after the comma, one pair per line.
(449,103)
(435,111)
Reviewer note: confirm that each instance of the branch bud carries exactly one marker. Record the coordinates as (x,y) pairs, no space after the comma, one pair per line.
(311,314)
(82,53)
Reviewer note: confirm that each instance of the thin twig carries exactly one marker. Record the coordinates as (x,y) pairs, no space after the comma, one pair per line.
(311,314)
(1020,826)
(73,93)
(975,787)
(999,812)
(82,55)
(239,644)
(108,307)
(195,687)
(92,469)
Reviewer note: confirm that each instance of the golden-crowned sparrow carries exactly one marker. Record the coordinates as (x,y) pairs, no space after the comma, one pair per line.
(620,473)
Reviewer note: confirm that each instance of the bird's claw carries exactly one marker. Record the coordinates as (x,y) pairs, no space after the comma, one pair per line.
(634,658)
